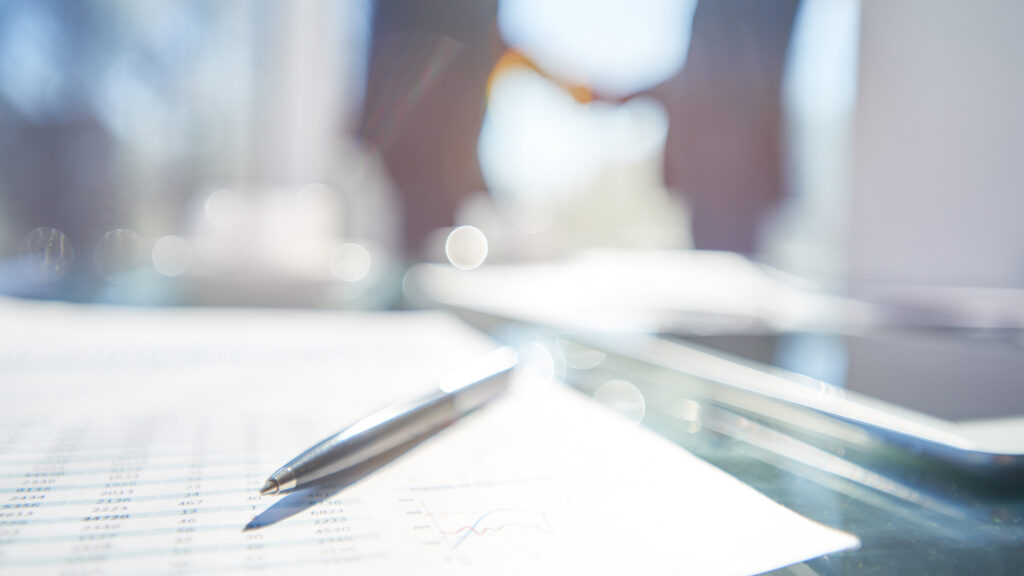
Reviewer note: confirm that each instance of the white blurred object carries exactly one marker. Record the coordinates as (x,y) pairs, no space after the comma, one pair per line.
(643,291)
(620,47)
(565,175)
(319,243)
(537,139)
(282,232)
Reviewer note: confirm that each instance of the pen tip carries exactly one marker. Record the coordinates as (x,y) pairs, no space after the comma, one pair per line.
(269,488)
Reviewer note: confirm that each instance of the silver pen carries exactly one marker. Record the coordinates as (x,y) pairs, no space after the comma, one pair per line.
(457,393)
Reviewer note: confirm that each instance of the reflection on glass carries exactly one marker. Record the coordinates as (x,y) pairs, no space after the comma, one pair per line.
(580,357)
(687,411)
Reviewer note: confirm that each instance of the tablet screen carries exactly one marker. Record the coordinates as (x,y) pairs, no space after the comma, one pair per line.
(951,375)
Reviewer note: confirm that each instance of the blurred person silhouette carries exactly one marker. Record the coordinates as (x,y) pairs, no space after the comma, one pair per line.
(724,149)
(425,102)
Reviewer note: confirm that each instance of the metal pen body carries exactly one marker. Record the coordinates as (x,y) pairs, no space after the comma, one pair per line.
(457,393)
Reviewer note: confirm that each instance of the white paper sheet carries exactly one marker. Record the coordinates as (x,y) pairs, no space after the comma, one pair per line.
(134,443)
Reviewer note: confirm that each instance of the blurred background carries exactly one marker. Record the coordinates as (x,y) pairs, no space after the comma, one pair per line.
(305,153)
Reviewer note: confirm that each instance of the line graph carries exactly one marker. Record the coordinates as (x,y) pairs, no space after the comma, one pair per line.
(500,519)
(525,516)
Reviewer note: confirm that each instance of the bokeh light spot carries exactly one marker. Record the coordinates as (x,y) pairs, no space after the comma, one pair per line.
(47,254)
(688,412)
(466,247)
(172,255)
(580,357)
(351,262)
(536,366)
(623,397)
(223,208)
(117,253)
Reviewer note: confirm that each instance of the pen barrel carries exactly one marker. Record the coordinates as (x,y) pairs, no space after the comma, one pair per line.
(351,448)
(396,426)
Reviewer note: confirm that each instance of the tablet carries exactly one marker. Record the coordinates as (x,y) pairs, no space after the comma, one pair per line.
(954,395)
(952,375)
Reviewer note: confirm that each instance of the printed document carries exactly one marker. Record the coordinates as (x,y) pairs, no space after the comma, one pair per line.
(134,442)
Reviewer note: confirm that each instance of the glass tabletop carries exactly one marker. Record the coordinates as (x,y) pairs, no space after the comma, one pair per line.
(912,515)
